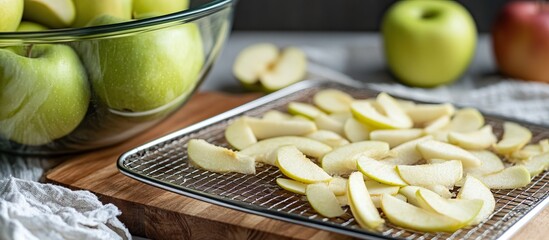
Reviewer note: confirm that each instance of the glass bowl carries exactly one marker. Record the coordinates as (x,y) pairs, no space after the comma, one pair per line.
(71,90)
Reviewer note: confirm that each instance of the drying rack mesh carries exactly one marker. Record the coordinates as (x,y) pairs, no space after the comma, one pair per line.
(167,163)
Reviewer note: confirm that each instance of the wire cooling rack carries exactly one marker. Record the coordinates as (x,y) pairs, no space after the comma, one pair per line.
(163,163)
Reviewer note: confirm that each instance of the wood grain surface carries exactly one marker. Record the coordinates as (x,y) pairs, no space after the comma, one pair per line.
(158,214)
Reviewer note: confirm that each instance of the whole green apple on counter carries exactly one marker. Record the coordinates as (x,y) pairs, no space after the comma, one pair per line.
(51,13)
(142,8)
(144,72)
(26,26)
(44,93)
(11,12)
(428,43)
(87,10)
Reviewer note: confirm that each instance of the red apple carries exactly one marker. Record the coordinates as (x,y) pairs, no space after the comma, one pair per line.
(521,40)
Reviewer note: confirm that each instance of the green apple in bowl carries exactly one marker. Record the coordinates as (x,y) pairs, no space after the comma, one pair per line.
(44,93)
(51,13)
(11,12)
(26,26)
(428,43)
(143,8)
(87,10)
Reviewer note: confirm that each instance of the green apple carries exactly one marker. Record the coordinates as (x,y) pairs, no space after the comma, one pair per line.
(51,13)
(143,8)
(428,43)
(44,93)
(11,14)
(26,26)
(87,10)
(146,72)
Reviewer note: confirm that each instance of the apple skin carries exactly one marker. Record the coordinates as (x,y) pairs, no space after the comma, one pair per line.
(145,8)
(146,71)
(11,12)
(26,26)
(88,10)
(42,97)
(428,43)
(51,13)
(520,40)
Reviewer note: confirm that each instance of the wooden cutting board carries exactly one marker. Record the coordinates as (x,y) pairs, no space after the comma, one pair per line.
(158,214)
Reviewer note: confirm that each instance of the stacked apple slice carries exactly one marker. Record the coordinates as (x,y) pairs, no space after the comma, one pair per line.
(403,158)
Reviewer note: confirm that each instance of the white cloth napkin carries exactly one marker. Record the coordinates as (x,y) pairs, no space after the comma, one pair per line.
(31,210)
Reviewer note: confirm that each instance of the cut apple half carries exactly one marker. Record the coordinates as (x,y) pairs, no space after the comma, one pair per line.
(362,207)
(393,117)
(395,137)
(262,149)
(239,134)
(297,166)
(474,189)
(276,115)
(424,113)
(342,161)
(304,109)
(536,164)
(333,100)
(323,200)
(292,185)
(338,185)
(290,67)
(409,216)
(491,163)
(380,171)
(475,140)
(326,122)
(356,131)
(407,153)
(445,174)
(462,210)
(514,138)
(466,120)
(218,159)
(253,61)
(438,150)
(263,128)
(512,177)
(376,188)
(329,138)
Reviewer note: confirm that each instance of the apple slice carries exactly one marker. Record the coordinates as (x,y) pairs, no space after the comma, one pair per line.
(409,216)
(491,163)
(424,113)
(343,199)
(323,200)
(407,153)
(276,115)
(341,160)
(508,178)
(51,13)
(292,185)
(395,137)
(263,128)
(253,61)
(394,116)
(514,138)
(326,122)
(290,68)
(304,109)
(537,164)
(356,131)
(544,144)
(376,199)
(338,185)
(380,171)
(474,189)
(300,118)
(462,210)
(437,124)
(441,190)
(525,153)
(262,149)
(218,159)
(410,193)
(375,188)
(341,116)
(297,166)
(333,100)
(362,207)
(329,138)
(239,134)
(446,174)
(466,120)
(439,150)
(476,140)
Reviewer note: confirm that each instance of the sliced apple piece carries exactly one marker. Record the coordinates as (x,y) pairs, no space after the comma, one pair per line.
(462,210)
(512,177)
(304,109)
(338,185)
(218,159)
(544,144)
(437,124)
(343,199)
(356,131)
(475,140)
(409,216)
(341,116)
(292,185)
(375,188)
(407,153)
(410,193)
(441,190)
(297,166)
(491,163)
(525,153)
(263,128)
(446,174)
(393,118)
(333,100)
(423,113)
(276,115)
(290,67)
(330,138)
(395,137)
(239,134)
(323,200)
(380,171)
(466,120)
(262,149)
(475,189)
(362,207)
(514,138)
(341,161)
(439,150)
(253,61)
(300,118)
(537,164)
(326,122)
(405,104)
